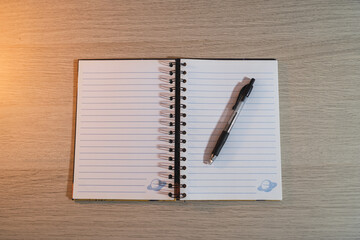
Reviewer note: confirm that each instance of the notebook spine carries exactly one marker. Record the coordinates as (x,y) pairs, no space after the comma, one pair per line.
(179,133)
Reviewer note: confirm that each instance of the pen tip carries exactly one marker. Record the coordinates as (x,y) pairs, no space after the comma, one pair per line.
(212,159)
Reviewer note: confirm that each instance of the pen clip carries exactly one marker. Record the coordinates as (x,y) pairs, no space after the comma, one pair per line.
(244,92)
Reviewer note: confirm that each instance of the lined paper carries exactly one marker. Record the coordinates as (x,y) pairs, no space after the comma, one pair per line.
(118,128)
(249,165)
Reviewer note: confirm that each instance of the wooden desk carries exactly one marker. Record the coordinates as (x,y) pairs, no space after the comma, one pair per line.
(317,44)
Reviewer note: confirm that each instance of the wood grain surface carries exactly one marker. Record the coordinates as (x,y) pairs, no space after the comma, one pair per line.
(317,44)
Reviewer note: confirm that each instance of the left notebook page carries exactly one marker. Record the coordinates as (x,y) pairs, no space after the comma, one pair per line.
(121,106)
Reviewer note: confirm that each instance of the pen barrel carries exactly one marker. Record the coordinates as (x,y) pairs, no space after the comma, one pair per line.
(234,116)
(220,143)
(231,122)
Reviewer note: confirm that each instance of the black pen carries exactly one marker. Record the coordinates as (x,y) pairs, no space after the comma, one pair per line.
(240,101)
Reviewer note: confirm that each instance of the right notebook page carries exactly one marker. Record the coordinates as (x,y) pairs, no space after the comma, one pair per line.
(249,165)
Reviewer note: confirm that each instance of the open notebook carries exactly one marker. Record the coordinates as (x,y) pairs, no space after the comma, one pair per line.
(145,130)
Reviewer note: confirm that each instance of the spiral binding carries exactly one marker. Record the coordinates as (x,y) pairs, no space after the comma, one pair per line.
(176,121)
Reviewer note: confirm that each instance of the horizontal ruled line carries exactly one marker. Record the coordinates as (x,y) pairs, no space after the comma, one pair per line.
(219,115)
(121,97)
(243,134)
(226,85)
(137,78)
(117,134)
(116,159)
(212,193)
(117,115)
(224,91)
(245,109)
(119,172)
(202,160)
(191,173)
(226,147)
(115,72)
(217,167)
(117,109)
(123,90)
(229,79)
(119,127)
(113,178)
(123,103)
(232,128)
(118,146)
(234,154)
(227,122)
(96,165)
(114,191)
(233,72)
(114,153)
(224,180)
(231,141)
(221,186)
(116,84)
(127,140)
(207,103)
(121,121)
(225,97)
(110,185)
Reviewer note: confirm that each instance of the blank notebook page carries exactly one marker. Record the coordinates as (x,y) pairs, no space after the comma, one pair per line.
(249,165)
(117,131)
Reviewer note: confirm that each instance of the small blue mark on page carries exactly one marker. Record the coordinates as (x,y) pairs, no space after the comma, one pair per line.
(267,186)
(156,185)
